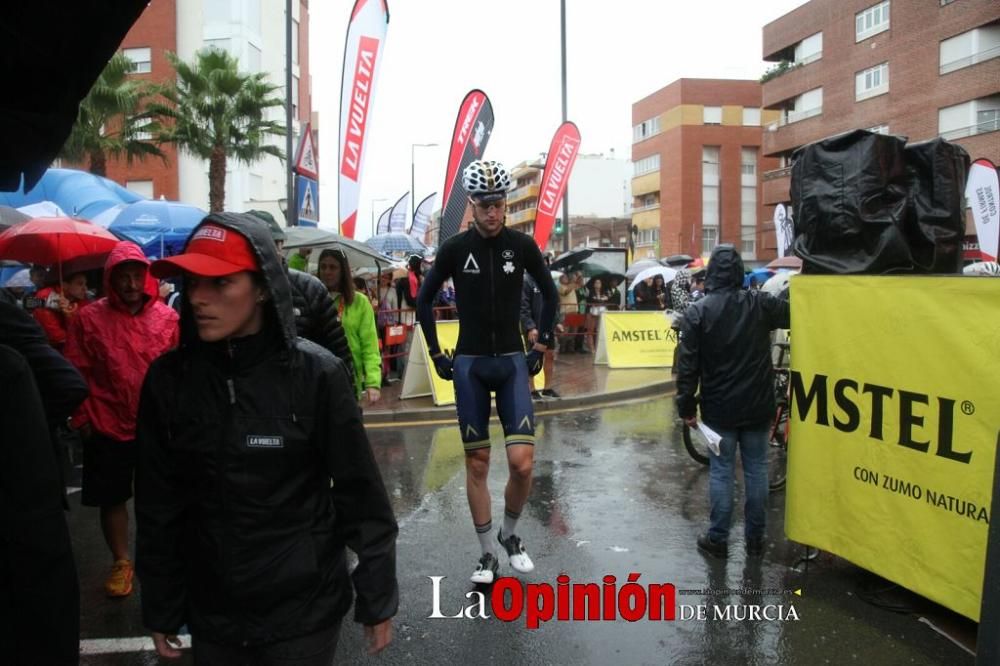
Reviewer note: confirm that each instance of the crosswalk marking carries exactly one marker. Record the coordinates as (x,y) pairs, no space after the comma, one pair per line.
(123,645)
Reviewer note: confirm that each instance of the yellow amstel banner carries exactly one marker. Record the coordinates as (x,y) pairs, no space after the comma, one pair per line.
(895,392)
(442,390)
(636,340)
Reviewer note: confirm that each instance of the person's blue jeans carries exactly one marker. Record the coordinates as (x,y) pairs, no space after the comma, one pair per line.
(753,444)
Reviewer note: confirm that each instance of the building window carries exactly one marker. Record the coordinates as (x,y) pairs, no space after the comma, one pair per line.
(871,82)
(139,134)
(647,165)
(970,48)
(253,59)
(809,49)
(976,116)
(295,97)
(748,242)
(751,117)
(709,197)
(806,105)
(748,166)
(709,239)
(141,59)
(256,186)
(748,218)
(879,129)
(144,188)
(646,129)
(217,45)
(871,21)
(295,42)
(987,121)
(712,115)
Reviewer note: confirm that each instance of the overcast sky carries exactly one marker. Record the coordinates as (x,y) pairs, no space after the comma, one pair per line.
(437,50)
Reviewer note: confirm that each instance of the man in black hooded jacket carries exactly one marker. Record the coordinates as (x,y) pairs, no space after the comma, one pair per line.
(725,346)
(315,313)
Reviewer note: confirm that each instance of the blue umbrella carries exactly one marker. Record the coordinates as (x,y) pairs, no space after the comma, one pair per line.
(79,193)
(160,228)
(396,243)
(762,275)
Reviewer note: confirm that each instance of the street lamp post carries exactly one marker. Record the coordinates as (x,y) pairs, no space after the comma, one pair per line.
(413,177)
(374,201)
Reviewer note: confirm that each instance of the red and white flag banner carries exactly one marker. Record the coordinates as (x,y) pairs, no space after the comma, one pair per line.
(473,128)
(982,191)
(558,165)
(362,57)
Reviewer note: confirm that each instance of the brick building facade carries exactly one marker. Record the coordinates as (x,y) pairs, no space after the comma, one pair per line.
(697,163)
(917,69)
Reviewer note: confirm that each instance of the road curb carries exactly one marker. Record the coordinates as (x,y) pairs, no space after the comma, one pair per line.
(447,412)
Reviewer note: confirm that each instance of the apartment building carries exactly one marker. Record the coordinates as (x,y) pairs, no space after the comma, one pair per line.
(917,69)
(696,156)
(253,31)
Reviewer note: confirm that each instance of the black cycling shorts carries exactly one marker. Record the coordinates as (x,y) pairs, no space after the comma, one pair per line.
(108,470)
(506,375)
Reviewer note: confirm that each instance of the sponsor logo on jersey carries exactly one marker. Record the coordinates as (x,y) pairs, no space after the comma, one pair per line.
(470,265)
(265,442)
(508,267)
(508,254)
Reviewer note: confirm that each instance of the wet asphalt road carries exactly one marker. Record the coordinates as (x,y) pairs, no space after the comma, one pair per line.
(614,493)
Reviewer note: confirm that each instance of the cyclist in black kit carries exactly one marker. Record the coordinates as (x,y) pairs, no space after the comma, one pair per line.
(487,264)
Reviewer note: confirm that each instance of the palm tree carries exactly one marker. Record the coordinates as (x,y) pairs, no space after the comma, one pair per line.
(219,112)
(113,120)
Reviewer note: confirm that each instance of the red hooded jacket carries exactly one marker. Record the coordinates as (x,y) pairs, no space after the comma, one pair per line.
(112,348)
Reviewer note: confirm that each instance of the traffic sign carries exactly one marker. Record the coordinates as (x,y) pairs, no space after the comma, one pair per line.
(307,192)
(306,163)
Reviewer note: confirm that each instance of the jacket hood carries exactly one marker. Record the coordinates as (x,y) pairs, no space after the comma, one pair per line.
(275,278)
(123,252)
(725,269)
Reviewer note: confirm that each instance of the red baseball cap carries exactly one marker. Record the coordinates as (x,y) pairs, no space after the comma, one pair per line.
(213,251)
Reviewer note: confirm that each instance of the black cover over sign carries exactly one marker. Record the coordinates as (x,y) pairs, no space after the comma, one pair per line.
(868,203)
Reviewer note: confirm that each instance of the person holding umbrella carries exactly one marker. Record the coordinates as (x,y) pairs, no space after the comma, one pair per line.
(61,303)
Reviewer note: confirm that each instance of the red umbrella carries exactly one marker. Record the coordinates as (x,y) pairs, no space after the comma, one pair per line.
(53,240)
(791,261)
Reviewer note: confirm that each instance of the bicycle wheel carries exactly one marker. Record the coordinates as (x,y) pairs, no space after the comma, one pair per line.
(696,445)
(777,471)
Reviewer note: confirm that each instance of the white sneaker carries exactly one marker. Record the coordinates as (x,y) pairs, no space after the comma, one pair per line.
(519,560)
(486,570)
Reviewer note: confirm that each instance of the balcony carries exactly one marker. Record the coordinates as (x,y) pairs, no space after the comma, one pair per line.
(776,186)
(522,193)
(647,218)
(646,184)
(521,216)
(968,61)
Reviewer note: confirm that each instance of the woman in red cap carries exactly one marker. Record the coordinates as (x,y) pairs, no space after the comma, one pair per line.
(241,533)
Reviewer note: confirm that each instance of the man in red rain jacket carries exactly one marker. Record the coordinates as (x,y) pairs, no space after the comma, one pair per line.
(112,342)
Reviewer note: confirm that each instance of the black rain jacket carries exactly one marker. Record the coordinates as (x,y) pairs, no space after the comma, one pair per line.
(316,316)
(725,345)
(241,534)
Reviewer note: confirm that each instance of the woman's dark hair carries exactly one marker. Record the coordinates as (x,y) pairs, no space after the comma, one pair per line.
(346,286)
(413,263)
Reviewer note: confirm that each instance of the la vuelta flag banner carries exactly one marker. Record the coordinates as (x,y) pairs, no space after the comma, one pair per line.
(558,165)
(983,194)
(362,57)
(472,132)
(422,217)
(895,422)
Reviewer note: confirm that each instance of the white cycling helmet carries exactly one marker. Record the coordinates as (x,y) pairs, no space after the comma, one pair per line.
(486,180)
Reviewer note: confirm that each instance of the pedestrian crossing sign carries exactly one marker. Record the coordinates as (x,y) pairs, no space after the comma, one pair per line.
(308,196)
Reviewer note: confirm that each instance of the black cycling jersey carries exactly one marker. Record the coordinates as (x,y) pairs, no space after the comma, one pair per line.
(488,274)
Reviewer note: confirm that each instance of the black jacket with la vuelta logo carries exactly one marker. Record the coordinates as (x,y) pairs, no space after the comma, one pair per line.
(254,472)
(488,274)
